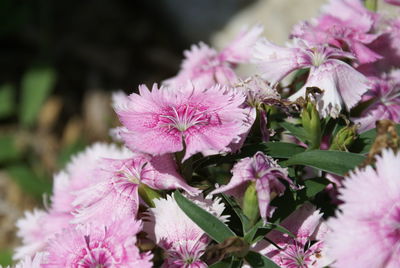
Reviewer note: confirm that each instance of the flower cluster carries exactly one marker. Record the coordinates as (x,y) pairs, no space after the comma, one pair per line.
(216,168)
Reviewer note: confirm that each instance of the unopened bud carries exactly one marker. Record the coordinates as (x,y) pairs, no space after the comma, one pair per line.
(344,138)
(311,124)
(250,203)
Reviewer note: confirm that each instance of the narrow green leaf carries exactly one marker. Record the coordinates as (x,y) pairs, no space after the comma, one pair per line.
(259,231)
(9,148)
(314,186)
(236,208)
(296,131)
(36,86)
(7,102)
(256,260)
(335,162)
(225,263)
(210,224)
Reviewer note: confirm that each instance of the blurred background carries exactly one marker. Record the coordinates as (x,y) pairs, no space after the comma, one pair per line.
(60,61)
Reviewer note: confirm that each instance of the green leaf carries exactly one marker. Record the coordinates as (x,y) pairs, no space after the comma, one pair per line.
(7,102)
(236,208)
(335,162)
(225,263)
(256,260)
(296,131)
(210,224)
(314,186)
(9,148)
(37,84)
(259,231)
(29,181)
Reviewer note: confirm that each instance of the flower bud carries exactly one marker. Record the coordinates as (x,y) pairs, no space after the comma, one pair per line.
(344,138)
(250,203)
(311,124)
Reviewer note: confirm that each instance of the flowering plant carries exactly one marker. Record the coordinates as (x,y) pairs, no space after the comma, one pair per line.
(215,169)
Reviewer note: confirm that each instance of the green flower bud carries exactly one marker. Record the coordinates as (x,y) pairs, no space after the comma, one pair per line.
(311,124)
(344,138)
(250,203)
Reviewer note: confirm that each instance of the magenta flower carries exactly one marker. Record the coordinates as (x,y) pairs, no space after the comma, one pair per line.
(366,231)
(339,81)
(265,172)
(204,66)
(96,245)
(298,252)
(343,24)
(385,95)
(166,120)
(183,241)
(116,194)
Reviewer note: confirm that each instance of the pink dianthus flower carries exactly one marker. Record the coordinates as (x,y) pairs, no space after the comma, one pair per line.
(168,120)
(97,245)
(265,172)
(366,229)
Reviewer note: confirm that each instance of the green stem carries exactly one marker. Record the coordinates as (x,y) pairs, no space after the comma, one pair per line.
(148,195)
(371,5)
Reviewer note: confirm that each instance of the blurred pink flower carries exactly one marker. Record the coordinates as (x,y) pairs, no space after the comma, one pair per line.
(343,24)
(97,245)
(385,97)
(116,194)
(298,252)
(170,120)
(366,229)
(393,2)
(265,172)
(204,66)
(183,241)
(34,262)
(340,82)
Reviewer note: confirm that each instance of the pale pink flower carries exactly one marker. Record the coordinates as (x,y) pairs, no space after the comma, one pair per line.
(183,241)
(365,231)
(340,82)
(344,24)
(259,93)
(298,252)
(35,262)
(265,172)
(167,121)
(116,194)
(385,97)
(204,66)
(97,245)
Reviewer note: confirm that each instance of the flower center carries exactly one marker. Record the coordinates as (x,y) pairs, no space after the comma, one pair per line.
(318,58)
(95,255)
(184,117)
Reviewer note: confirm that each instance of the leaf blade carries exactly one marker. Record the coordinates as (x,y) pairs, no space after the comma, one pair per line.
(210,224)
(256,260)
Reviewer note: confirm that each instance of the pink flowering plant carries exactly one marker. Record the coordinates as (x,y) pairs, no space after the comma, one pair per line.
(213,169)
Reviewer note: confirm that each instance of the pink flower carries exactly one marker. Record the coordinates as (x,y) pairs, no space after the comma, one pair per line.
(204,67)
(96,245)
(365,231)
(339,81)
(183,241)
(116,195)
(385,95)
(344,24)
(265,172)
(34,262)
(298,252)
(167,121)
